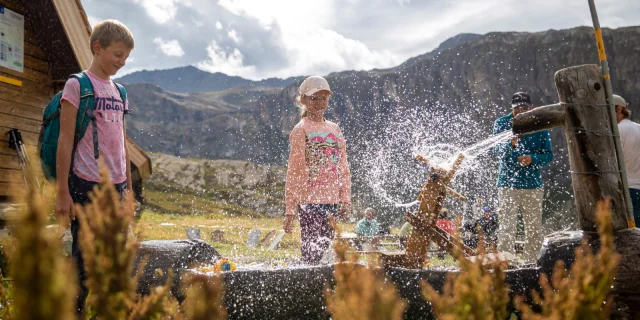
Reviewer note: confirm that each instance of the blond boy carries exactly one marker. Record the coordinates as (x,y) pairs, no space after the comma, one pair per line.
(77,170)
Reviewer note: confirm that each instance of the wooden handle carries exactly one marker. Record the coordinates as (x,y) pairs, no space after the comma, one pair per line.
(422,158)
(456,194)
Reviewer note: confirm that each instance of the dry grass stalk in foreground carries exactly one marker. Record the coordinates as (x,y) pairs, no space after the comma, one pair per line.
(582,293)
(42,286)
(477,292)
(108,252)
(204,297)
(359,292)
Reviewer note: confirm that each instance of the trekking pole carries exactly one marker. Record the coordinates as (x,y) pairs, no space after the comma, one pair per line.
(606,77)
(15,141)
(13,144)
(25,155)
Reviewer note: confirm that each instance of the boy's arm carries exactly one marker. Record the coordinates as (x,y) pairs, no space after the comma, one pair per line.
(126,156)
(64,202)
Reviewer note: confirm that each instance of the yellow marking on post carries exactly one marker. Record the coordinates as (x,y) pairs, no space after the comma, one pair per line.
(607,76)
(12,81)
(601,53)
(631,223)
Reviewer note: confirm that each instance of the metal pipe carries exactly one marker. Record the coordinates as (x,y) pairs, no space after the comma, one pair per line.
(606,77)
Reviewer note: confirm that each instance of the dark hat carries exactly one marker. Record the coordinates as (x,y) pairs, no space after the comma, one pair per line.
(521,98)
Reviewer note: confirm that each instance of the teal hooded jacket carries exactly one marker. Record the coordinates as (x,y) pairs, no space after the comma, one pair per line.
(513,175)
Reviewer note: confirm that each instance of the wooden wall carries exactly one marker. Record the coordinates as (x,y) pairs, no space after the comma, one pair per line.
(21,107)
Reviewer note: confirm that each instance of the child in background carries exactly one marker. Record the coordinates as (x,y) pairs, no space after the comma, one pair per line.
(77,170)
(318,178)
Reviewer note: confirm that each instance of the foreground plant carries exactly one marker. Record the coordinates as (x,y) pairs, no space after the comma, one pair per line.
(108,251)
(204,298)
(42,287)
(583,292)
(360,293)
(477,292)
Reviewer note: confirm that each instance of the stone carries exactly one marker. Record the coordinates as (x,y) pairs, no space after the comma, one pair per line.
(193,234)
(216,236)
(254,238)
(267,239)
(276,240)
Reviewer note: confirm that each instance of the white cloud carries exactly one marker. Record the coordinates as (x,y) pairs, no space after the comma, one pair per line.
(230,63)
(161,11)
(170,48)
(258,38)
(233,34)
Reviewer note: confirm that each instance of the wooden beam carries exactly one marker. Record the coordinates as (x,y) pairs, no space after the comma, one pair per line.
(539,119)
(76,27)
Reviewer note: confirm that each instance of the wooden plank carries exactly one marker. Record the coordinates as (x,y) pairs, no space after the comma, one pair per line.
(9,161)
(35,51)
(22,124)
(10,189)
(29,138)
(37,64)
(13,5)
(6,151)
(31,88)
(23,97)
(27,74)
(20,110)
(11,175)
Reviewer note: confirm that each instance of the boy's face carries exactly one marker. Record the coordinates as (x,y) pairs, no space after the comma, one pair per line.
(112,58)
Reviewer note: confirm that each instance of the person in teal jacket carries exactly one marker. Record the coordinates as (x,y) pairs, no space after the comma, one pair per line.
(368,226)
(519,183)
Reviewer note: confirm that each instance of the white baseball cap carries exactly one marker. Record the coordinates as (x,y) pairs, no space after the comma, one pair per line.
(619,101)
(312,85)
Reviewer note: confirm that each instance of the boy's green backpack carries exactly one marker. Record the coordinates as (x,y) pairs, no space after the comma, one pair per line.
(50,129)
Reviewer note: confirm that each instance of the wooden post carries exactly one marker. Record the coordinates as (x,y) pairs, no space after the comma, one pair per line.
(587,127)
(592,154)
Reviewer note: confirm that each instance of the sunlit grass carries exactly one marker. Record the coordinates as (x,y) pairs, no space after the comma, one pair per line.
(161,226)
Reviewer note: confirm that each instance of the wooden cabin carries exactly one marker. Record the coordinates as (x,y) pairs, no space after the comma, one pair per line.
(55,44)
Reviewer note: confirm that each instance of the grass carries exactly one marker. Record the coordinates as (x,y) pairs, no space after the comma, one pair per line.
(168,214)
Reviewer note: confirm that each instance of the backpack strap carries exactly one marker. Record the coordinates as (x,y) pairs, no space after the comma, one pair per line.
(85,112)
(123,96)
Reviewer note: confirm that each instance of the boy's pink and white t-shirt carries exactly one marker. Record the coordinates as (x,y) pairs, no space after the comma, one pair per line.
(109,112)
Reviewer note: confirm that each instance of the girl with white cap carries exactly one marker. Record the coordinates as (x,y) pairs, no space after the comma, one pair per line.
(318,177)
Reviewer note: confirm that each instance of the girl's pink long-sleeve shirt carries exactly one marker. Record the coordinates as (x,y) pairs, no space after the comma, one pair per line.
(318,171)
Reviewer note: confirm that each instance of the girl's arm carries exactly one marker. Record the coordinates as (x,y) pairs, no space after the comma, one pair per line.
(296,171)
(345,176)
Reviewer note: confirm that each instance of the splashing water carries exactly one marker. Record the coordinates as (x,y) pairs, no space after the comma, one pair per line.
(443,155)
(395,176)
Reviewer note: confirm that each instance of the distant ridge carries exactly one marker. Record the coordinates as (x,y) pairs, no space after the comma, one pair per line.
(192,79)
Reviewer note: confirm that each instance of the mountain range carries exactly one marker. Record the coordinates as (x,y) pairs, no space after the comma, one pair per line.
(450,96)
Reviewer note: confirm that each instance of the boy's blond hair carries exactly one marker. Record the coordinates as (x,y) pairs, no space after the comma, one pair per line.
(109,31)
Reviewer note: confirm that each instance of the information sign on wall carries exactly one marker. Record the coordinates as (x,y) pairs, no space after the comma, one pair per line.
(11,39)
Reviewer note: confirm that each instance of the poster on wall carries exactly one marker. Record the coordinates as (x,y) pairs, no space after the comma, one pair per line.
(11,40)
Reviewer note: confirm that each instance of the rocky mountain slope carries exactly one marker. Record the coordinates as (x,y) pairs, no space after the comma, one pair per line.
(237,187)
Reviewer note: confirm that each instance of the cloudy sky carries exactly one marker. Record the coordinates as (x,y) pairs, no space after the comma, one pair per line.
(258,39)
